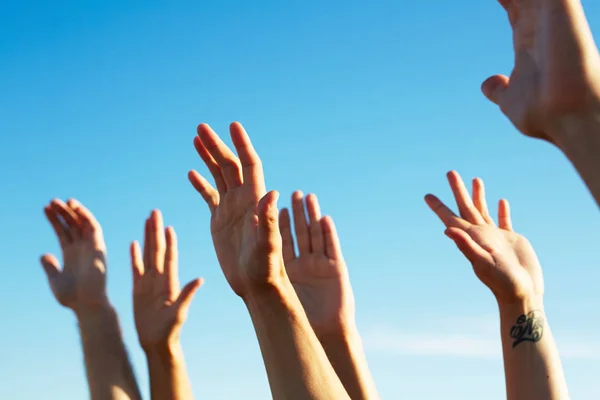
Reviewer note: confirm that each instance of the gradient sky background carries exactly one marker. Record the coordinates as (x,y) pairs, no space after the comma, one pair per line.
(367,104)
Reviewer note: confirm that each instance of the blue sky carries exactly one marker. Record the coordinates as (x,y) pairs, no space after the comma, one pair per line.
(367,104)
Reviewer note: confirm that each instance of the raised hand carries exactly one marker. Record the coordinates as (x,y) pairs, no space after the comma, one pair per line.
(502,259)
(248,246)
(556,76)
(81,286)
(245,232)
(81,283)
(506,263)
(318,272)
(320,278)
(160,306)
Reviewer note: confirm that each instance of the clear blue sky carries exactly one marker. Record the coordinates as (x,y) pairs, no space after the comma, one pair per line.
(367,104)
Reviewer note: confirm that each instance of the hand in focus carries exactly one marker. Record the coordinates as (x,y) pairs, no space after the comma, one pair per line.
(160,307)
(502,259)
(318,272)
(243,215)
(81,283)
(557,69)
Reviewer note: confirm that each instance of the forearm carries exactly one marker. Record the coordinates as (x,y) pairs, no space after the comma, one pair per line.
(109,372)
(579,139)
(531,362)
(346,354)
(168,376)
(296,363)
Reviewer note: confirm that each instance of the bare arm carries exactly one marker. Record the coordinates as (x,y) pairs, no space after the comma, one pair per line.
(553,92)
(160,309)
(109,372)
(531,362)
(295,361)
(320,278)
(81,286)
(168,374)
(507,264)
(247,241)
(579,139)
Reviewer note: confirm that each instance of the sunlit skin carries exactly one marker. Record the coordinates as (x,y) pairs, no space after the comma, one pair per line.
(506,263)
(320,278)
(81,283)
(502,259)
(160,305)
(247,240)
(160,309)
(318,272)
(81,286)
(556,74)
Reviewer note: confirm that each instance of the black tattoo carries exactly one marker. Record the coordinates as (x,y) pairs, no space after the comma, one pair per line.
(529,328)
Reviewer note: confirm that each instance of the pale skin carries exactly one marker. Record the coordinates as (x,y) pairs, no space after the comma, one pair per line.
(80,285)
(553,92)
(160,309)
(506,263)
(246,237)
(320,278)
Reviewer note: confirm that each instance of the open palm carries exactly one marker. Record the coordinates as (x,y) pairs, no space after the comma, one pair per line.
(318,273)
(502,259)
(242,213)
(160,306)
(82,281)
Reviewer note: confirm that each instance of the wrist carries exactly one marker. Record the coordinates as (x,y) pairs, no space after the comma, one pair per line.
(168,352)
(522,306)
(576,133)
(94,312)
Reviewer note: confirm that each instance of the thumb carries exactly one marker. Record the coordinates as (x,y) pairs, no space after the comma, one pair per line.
(268,220)
(50,265)
(187,294)
(470,249)
(494,88)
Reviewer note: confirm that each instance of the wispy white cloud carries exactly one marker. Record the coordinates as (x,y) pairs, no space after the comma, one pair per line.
(482,341)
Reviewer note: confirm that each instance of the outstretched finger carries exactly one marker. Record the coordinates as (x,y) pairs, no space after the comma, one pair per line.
(70,218)
(187,295)
(317,243)
(157,242)
(445,214)
(287,239)
(252,169)
(226,160)
(333,248)
(89,224)
(208,193)
(470,249)
(300,224)
(504,220)
(137,264)
(62,233)
(171,263)
(463,199)
(50,265)
(211,164)
(268,235)
(480,202)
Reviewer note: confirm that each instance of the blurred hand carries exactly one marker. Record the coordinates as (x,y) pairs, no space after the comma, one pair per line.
(502,259)
(318,273)
(81,284)
(557,70)
(160,307)
(243,216)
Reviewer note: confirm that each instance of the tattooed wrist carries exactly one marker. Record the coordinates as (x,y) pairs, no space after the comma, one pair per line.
(529,327)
